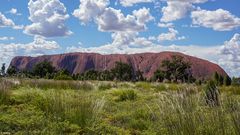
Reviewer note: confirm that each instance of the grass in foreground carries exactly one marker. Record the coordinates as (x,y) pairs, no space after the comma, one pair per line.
(70,107)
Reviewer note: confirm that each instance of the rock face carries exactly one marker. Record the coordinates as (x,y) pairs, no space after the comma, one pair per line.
(148,63)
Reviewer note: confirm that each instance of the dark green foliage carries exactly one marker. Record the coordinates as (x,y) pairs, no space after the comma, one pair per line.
(11,71)
(122,71)
(212,94)
(63,75)
(158,76)
(104,86)
(227,81)
(124,95)
(175,70)
(91,75)
(106,75)
(42,69)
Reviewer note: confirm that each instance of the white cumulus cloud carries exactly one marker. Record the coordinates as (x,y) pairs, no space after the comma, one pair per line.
(143,15)
(113,20)
(175,10)
(48,17)
(170,36)
(230,53)
(219,20)
(178,9)
(89,9)
(109,19)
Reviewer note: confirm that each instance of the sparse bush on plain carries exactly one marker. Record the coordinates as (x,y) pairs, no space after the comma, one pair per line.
(124,95)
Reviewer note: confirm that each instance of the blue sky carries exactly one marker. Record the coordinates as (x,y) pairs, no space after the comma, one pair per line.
(208,29)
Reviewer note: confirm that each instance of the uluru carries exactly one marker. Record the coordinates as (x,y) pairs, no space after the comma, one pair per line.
(148,63)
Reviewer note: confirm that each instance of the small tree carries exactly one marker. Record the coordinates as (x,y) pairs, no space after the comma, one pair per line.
(177,69)
(227,81)
(158,76)
(43,68)
(106,75)
(122,71)
(91,75)
(11,71)
(63,75)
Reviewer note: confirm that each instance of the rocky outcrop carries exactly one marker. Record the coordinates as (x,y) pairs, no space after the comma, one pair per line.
(148,63)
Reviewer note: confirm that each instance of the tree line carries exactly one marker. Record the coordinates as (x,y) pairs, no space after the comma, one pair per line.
(175,69)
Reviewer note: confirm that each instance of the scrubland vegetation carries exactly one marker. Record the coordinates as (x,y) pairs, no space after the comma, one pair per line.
(172,102)
(29,106)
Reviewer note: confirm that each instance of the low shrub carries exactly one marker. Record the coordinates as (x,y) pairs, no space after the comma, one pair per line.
(124,95)
(63,77)
(104,86)
(160,87)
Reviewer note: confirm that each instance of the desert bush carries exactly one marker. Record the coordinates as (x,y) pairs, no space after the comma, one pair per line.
(63,77)
(124,95)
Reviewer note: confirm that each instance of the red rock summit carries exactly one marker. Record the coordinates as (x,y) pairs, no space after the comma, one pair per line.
(148,63)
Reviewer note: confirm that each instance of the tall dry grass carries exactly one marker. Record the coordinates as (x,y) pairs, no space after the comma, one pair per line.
(189,114)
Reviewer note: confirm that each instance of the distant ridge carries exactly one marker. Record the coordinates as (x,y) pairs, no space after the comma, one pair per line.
(148,63)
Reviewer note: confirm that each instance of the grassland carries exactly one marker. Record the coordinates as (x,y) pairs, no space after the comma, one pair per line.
(118,108)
